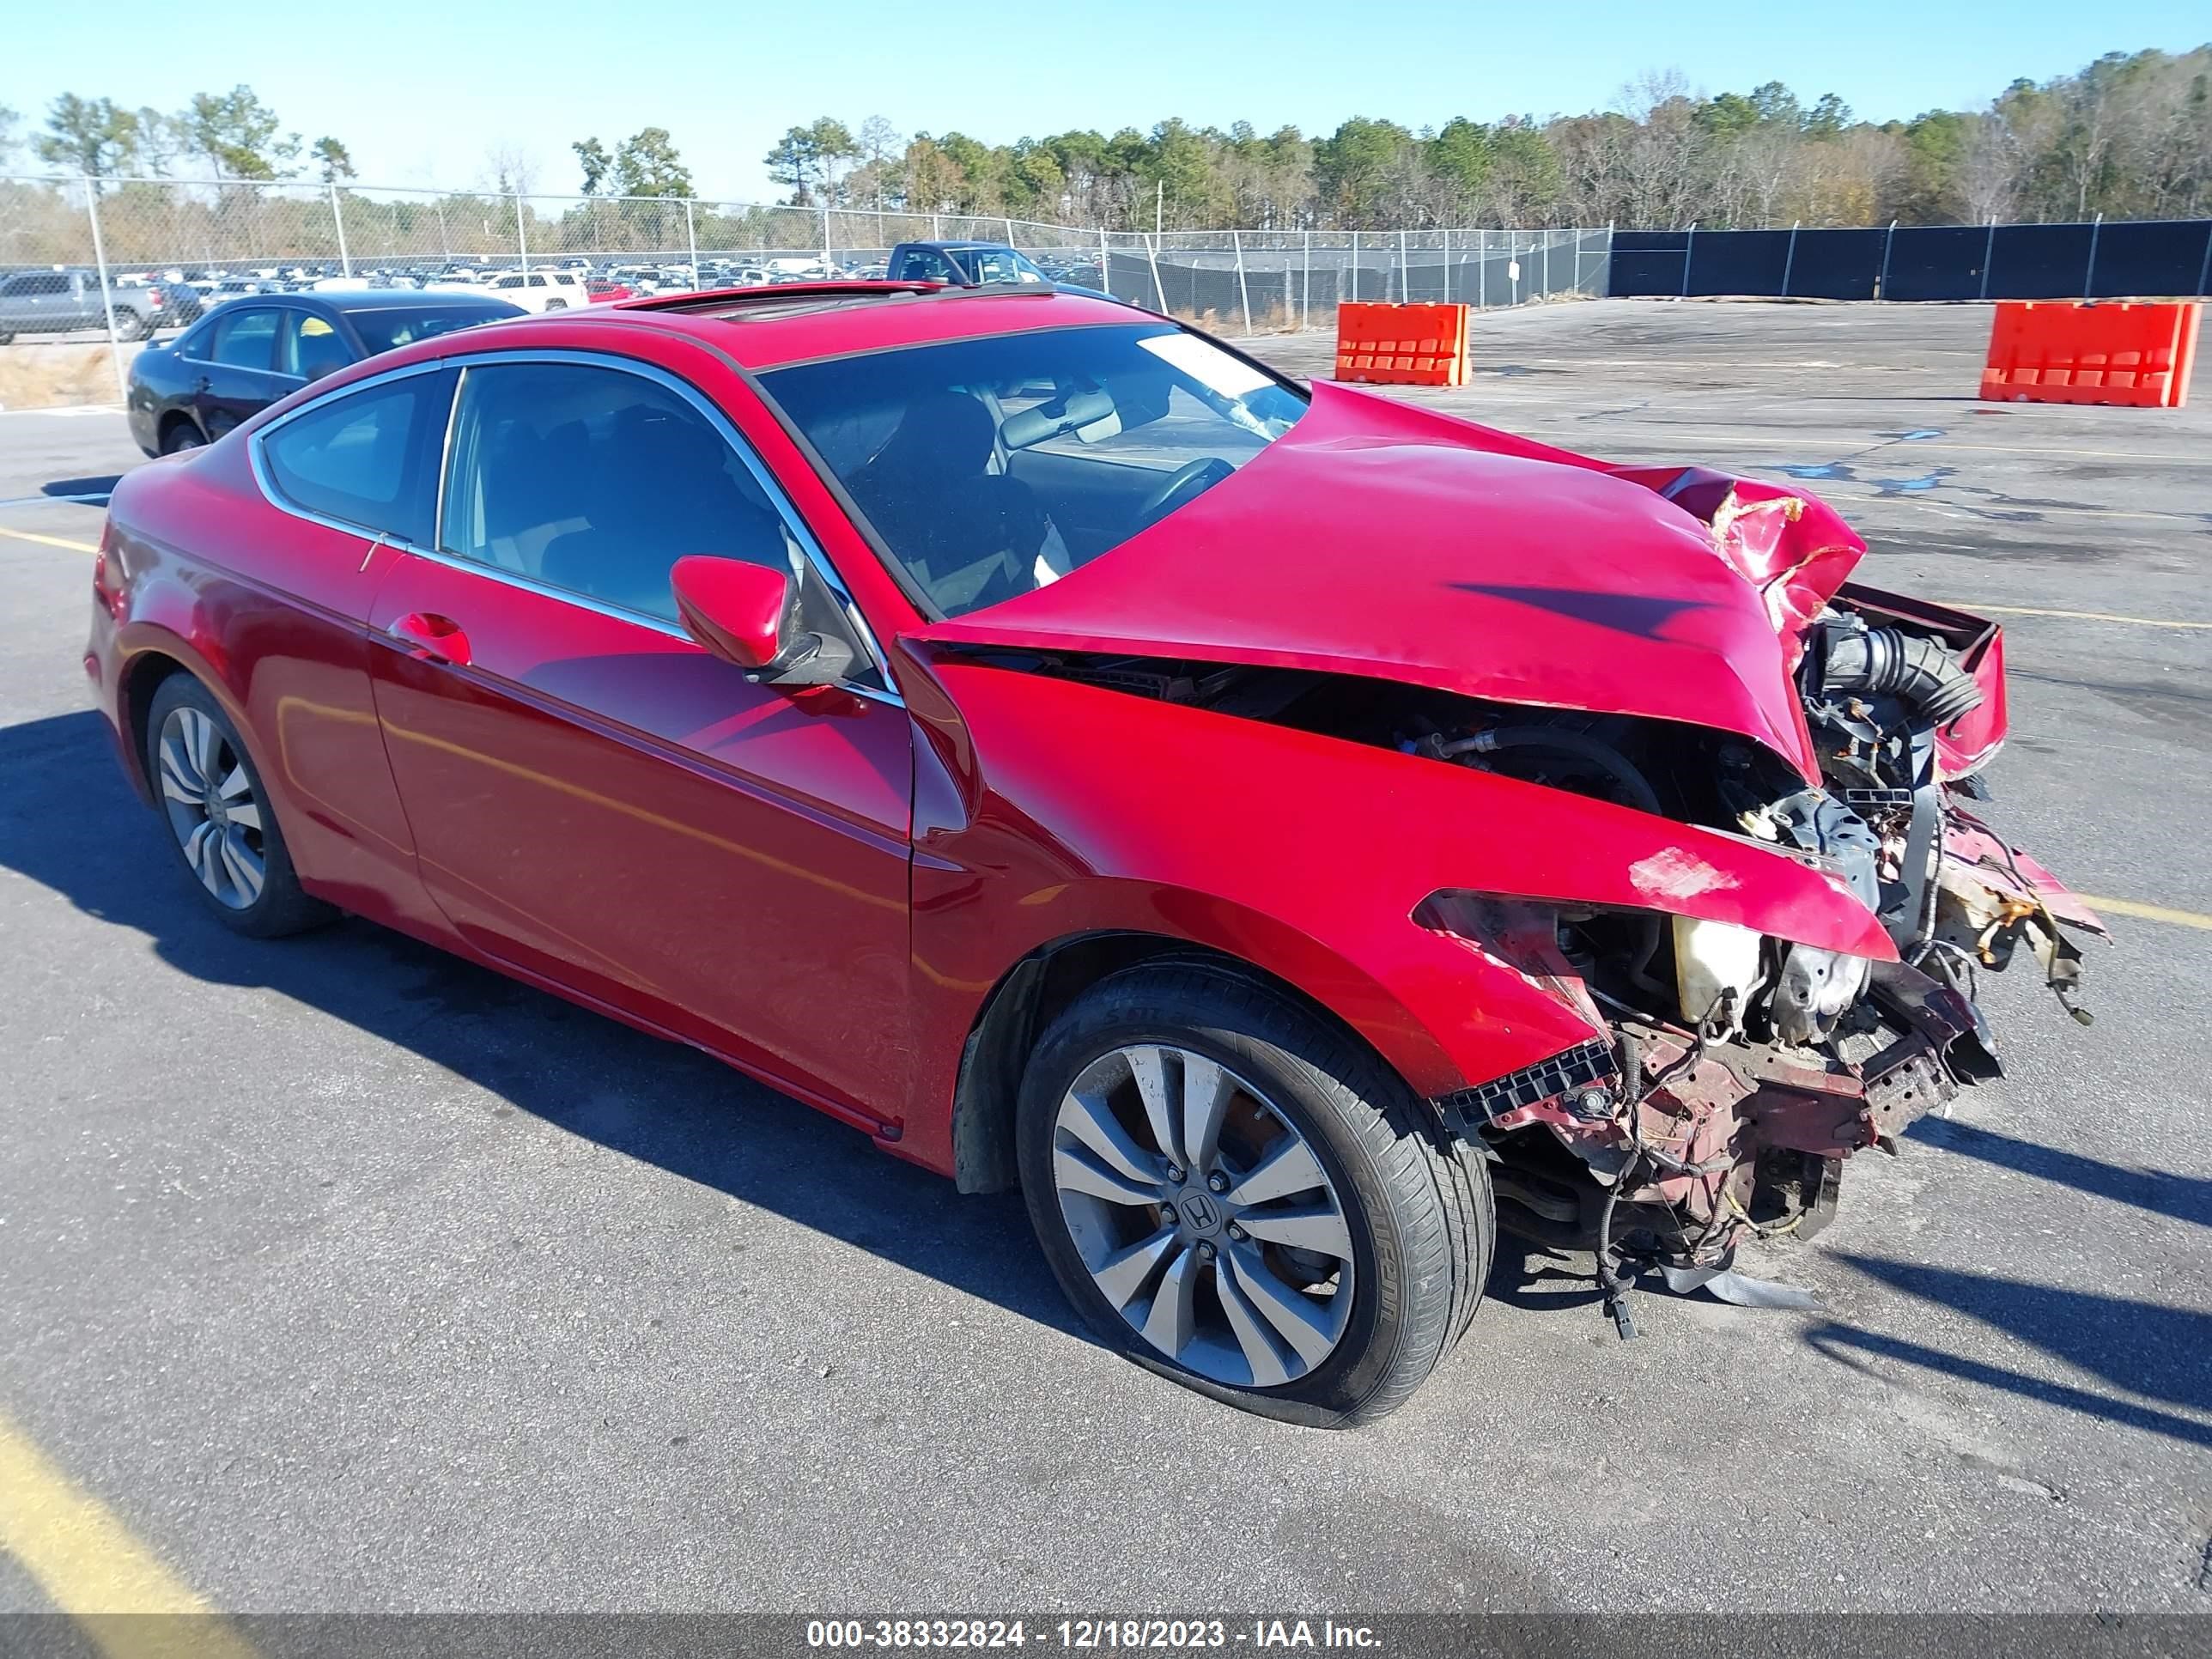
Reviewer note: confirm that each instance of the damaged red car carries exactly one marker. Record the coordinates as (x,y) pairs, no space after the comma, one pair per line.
(1286,832)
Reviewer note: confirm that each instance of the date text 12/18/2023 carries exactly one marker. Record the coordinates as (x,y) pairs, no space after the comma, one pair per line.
(1088,1635)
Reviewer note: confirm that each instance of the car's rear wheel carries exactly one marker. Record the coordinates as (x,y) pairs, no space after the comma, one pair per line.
(220,817)
(1239,1197)
(181,434)
(130,326)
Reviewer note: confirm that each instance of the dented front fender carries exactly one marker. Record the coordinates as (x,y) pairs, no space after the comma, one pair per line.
(1310,856)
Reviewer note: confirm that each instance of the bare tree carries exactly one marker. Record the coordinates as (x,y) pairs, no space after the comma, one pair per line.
(1991,169)
(509,169)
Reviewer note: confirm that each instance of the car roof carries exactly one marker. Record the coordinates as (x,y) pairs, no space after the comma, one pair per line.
(768,328)
(393,299)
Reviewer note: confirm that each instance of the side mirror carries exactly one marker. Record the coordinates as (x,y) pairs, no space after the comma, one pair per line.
(747,614)
(733,608)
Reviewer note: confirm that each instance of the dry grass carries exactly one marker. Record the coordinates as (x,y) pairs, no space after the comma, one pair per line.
(44,375)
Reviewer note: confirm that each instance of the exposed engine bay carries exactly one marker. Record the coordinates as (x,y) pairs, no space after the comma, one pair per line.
(1695,653)
(1738,1069)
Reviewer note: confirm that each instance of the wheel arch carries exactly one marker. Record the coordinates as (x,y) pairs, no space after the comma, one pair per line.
(157,654)
(1034,991)
(143,676)
(170,420)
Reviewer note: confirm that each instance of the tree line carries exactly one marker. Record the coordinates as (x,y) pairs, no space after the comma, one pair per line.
(2129,136)
(225,135)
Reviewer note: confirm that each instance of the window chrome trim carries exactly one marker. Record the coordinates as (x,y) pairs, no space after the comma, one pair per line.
(794,526)
(266,481)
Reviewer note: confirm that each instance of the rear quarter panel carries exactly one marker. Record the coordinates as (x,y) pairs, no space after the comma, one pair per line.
(267,610)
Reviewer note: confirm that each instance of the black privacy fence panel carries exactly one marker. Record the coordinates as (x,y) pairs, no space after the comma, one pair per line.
(1941,262)
(1836,264)
(2167,257)
(1746,261)
(2147,260)
(1646,262)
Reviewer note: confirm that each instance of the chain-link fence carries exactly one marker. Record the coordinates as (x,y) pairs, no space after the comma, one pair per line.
(1268,280)
(88,268)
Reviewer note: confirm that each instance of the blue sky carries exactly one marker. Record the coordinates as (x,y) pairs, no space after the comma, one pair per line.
(421,90)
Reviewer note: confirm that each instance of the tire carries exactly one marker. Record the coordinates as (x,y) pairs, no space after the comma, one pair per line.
(1400,1221)
(211,799)
(6,338)
(130,326)
(182,434)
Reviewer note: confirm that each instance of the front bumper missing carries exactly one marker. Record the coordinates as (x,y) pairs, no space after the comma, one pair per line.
(1715,1119)
(1508,1099)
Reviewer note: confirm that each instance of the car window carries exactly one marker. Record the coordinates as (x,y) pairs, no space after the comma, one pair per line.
(387,327)
(990,467)
(246,338)
(1003,264)
(312,347)
(597,480)
(37,282)
(927,266)
(360,458)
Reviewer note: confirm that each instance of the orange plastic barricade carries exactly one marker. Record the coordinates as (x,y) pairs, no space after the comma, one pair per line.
(1401,345)
(2046,351)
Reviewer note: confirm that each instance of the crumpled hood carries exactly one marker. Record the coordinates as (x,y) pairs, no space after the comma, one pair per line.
(1382,539)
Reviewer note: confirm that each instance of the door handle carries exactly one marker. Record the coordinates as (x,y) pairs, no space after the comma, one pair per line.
(431,637)
(202,383)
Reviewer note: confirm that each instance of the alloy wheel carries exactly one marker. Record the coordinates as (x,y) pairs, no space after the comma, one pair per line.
(1203,1215)
(209,797)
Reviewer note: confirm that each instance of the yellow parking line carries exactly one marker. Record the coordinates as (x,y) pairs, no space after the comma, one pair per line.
(2073,615)
(2147,912)
(90,1567)
(49,541)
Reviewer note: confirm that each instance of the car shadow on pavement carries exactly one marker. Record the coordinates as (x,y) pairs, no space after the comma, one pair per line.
(2155,1352)
(2161,1192)
(657,1101)
(92,492)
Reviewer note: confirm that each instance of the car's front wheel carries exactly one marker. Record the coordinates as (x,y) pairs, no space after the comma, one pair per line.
(220,817)
(1238,1196)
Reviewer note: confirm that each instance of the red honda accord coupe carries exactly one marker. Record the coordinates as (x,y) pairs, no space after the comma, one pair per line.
(1284,830)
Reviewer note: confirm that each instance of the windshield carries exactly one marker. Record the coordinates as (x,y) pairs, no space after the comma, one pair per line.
(991,467)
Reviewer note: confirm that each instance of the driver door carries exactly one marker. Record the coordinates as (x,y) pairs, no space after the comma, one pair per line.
(599,801)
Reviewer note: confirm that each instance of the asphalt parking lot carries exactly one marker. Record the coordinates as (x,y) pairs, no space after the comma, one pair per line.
(345,1276)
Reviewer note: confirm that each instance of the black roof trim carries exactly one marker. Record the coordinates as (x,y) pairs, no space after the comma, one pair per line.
(777,294)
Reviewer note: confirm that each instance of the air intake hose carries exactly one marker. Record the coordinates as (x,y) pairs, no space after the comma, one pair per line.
(1919,671)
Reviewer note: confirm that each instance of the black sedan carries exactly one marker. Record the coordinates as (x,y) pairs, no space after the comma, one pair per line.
(247,353)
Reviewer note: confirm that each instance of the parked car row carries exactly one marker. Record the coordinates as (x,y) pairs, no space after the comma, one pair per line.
(145,302)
